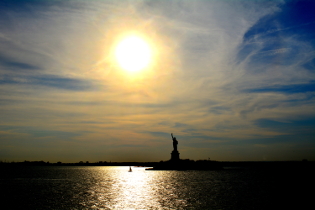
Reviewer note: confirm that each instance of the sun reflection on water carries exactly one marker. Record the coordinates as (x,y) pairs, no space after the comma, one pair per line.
(116,188)
(133,190)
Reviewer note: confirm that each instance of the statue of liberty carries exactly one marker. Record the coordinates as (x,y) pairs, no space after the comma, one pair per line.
(175,142)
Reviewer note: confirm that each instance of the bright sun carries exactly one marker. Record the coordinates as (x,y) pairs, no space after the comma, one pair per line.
(133,54)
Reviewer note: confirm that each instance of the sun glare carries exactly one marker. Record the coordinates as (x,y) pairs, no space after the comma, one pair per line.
(133,54)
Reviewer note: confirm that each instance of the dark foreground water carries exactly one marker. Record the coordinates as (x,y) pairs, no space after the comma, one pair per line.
(71,187)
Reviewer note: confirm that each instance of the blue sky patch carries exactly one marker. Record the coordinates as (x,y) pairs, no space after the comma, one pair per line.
(285,89)
(269,40)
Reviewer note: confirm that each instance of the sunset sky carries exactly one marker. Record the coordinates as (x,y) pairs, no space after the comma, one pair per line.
(231,79)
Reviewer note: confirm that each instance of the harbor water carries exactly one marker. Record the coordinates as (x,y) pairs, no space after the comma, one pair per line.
(91,187)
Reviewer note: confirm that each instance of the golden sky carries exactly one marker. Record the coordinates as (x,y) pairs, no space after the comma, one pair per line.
(233,80)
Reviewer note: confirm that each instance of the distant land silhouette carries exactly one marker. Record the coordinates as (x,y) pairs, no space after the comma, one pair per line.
(225,164)
(175,163)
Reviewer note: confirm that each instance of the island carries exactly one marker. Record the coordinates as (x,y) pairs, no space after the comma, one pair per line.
(175,163)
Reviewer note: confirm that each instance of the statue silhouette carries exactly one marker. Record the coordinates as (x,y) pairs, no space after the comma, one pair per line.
(175,142)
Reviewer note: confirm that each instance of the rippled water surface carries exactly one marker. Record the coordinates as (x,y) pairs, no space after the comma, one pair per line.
(70,187)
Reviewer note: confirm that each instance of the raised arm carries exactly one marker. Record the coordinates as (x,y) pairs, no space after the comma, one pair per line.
(172,135)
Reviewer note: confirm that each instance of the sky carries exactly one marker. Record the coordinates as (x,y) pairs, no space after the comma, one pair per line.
(233,80)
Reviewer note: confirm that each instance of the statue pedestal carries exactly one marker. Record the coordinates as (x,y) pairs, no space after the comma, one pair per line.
(174,155)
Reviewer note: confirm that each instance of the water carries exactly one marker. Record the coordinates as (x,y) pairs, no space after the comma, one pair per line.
(71,187)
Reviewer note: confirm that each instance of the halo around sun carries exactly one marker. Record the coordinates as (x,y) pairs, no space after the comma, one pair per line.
(133,53)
